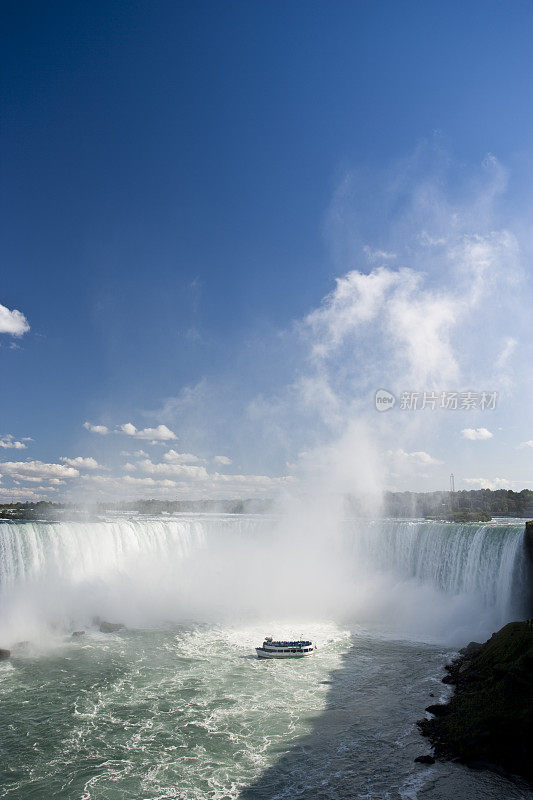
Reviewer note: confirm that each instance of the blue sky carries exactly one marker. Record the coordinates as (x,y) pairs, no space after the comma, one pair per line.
(182,184)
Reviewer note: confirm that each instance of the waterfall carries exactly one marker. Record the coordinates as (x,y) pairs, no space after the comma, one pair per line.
(204,567)
(486,561)
(80,551)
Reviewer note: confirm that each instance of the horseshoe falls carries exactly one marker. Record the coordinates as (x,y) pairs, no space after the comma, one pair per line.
(215,567)
(175,704)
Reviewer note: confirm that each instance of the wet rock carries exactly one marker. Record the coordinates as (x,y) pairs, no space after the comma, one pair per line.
(471,649)
(4,654)
(427,759)
(438,709)
(75,634)
(110,627)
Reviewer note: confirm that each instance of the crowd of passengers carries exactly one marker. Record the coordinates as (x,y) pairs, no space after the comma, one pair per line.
(288,644)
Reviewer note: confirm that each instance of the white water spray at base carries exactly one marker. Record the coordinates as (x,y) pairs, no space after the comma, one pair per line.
(437,581)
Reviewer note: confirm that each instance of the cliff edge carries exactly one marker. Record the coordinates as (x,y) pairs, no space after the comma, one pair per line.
(489,720)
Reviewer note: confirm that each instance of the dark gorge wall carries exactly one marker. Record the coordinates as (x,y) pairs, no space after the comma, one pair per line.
(528,544)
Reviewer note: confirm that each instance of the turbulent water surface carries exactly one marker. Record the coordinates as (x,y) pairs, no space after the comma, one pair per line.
(176,705)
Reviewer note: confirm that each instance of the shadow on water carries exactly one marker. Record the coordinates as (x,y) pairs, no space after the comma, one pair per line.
(362,746)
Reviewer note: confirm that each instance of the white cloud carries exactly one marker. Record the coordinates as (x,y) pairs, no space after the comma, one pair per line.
(415,323)
(489,483)
(429,241)
(378,255)
(252,480)
(171,477)
(417,457)
(81,462)
(101,429)
(158,434)
(356,299)
(508,348)
(29,470)
(9,442)
(476,434)
(128,479)
(13,322)
(529,443)
(164,484)
(222,460)
(183,471)
(24,494)
(181,482)
(181,458)
(102,480)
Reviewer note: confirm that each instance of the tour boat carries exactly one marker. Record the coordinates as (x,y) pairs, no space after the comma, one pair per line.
(272,649)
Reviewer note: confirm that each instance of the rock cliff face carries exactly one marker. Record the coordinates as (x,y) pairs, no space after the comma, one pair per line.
(489,720)
(529,538)
(528,544)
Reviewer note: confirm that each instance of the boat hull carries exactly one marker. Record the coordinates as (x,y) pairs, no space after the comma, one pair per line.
(262,653)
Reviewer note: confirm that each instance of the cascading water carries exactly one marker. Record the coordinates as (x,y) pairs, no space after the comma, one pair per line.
(483,561)
(176,705)
(33,550)
(141,570)
(205,567)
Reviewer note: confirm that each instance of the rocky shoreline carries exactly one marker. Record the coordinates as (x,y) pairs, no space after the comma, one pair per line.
(488,723)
